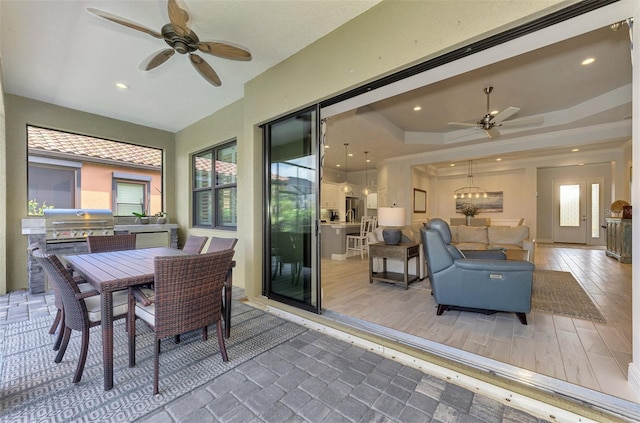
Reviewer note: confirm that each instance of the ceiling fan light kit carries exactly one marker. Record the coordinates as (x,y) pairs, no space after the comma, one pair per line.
(183,40)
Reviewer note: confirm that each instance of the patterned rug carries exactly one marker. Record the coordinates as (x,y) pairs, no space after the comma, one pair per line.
(559,293)
(34,388)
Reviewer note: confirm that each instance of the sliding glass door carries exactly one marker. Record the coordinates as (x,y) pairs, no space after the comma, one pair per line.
(291,216)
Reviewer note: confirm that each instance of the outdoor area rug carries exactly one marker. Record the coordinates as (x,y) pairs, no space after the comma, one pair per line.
(34,388)
(559,293)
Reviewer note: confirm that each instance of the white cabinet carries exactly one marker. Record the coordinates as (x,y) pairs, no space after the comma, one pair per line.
(329,196)
(372,201)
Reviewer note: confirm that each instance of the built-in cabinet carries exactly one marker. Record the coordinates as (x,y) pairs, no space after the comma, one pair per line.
(619,239)
(329,196)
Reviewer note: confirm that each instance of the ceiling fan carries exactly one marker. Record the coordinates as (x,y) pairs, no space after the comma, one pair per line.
(490,123)
(183,40)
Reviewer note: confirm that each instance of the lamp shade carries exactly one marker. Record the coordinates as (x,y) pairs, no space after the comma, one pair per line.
(391,216)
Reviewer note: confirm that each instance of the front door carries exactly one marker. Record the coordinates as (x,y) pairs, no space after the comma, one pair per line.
(291,218)
(570,211)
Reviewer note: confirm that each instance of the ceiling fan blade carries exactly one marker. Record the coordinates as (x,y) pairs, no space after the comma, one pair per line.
(505,114)
(492,133)
(178,17)
(462,124)
(460,133)
(225,51)
(205,70)
(526,121)
(160,58)
(122,21)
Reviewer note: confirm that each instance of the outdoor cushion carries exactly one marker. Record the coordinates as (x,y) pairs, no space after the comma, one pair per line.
(120,304)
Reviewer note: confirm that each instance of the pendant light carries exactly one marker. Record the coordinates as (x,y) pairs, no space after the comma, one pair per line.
(346,188)
(366,190)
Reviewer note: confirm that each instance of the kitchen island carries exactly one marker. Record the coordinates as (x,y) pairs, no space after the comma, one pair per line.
(334,238)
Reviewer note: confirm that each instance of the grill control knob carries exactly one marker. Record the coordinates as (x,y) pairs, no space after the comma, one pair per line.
(89,233)
(74,233)
(105,232)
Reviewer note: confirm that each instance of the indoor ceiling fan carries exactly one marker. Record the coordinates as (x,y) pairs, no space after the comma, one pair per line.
(490,123)
(183,40)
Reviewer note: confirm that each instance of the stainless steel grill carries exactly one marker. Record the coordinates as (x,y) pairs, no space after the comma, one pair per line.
(67,225)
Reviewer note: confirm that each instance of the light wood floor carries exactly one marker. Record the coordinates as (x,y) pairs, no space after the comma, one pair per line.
(590,354)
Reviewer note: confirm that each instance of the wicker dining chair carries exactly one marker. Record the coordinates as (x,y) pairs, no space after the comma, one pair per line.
(221,244)
(105,244)
(81,310)
(186,289)
(194,244)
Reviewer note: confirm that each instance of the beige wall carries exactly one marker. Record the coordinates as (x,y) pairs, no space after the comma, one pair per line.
(21,112)
(3,194)
(225,125)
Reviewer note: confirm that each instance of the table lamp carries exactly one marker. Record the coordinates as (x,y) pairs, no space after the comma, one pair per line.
(392,220)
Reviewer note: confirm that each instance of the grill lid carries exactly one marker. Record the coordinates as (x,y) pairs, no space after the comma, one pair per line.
(77,223)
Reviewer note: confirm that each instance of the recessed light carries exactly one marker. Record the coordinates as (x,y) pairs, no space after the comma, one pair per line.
(575,149)
(588,61)
(499,159)
(452,164)
(368,160)
(580,164)
(350,154)
(326,146)
(122,85)
(417,108)
(338,165)
(495,112)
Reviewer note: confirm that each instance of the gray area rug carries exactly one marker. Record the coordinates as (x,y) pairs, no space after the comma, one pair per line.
(34,388)
(559,293)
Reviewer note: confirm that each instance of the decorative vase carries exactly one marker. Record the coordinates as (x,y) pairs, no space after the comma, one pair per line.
(143,220)
(468,219)
(162,220)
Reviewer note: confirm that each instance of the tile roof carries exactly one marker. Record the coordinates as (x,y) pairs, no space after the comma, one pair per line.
(64,142)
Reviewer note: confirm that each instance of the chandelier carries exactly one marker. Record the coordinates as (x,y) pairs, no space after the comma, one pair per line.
(470,190)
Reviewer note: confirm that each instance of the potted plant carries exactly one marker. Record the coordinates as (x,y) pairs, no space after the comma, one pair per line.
(469,210)
(161,217)
(141,218)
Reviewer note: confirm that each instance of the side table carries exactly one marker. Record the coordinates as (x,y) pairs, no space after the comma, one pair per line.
(404,251)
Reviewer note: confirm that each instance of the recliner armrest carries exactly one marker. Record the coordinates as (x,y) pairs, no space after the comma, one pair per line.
(494,265)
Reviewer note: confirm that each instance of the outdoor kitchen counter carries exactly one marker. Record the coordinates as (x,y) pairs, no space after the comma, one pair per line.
(35,226)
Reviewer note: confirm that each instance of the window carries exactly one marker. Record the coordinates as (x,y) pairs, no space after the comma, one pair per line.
(130,194)
(215,187)
(68,170)
(52,183)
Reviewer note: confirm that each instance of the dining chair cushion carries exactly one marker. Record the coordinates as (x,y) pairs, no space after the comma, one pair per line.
(120,304)
(146,313)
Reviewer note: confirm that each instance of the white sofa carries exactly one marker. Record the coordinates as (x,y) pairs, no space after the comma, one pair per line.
(410,232)
(493,237)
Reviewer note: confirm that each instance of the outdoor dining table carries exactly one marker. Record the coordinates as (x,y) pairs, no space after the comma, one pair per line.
(113,271)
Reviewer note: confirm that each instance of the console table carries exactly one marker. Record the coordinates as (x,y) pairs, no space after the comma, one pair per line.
(619,239)
(404,251)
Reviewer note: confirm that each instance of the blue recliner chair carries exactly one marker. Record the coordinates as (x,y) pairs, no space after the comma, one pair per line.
(486,283)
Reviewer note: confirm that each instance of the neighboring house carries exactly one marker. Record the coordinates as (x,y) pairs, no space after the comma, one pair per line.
(74,171)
